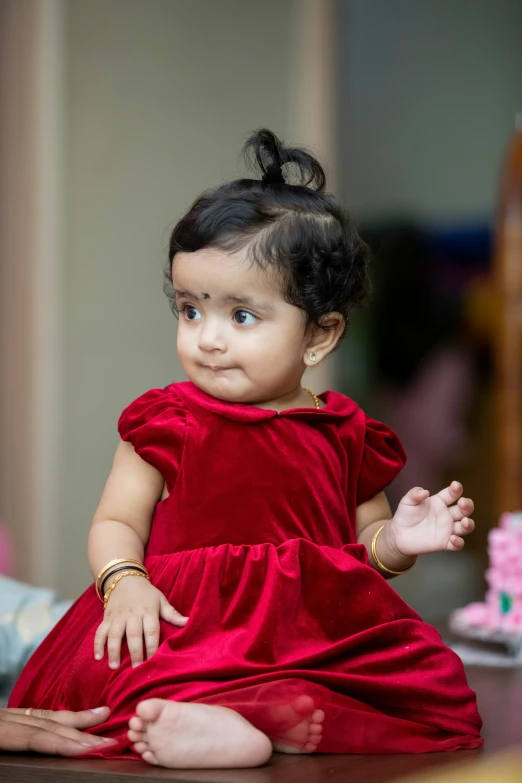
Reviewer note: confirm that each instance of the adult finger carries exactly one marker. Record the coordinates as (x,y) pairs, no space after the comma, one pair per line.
(134,632)
(43,741)
(21,738)
(25,723)
(151,630)
(83,719)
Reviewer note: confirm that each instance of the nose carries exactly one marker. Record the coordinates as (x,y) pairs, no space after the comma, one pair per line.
(211,338)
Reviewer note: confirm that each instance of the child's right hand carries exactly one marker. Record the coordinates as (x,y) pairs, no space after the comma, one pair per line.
(133,610)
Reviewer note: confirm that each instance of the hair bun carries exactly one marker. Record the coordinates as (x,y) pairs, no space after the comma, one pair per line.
(273,175)
(268,155)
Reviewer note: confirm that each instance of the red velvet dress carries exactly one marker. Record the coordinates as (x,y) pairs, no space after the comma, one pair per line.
(256,543)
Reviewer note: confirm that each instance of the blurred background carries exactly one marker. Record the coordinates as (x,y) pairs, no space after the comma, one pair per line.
(115,114)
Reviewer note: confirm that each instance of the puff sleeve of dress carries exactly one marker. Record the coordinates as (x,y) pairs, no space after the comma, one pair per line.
(155,424)
(383,458)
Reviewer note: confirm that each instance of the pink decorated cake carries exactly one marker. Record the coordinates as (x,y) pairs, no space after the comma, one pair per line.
(499,618)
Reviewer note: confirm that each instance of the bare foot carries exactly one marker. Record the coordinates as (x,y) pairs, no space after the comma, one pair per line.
(307,734)
(183,735)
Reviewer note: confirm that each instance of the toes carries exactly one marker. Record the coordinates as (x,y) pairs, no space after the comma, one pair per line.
(150,709)
(135,736)
(136,724)
(149,757)
(141,747)
(303,705)
(317,716)
(315,735)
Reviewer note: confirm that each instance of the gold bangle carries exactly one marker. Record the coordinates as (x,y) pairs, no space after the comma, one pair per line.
(380,565)
(115,570)
(109,565)
(117,579)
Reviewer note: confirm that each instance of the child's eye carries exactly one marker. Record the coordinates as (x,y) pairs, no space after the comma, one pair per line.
(245,318)
(191,313)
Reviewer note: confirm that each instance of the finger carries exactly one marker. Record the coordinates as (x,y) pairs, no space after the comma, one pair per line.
(84,719)
(42,741)
(464,527)
(415,496)
(455,543)
(35,718)
(114,638)
(450,494)
(134,633)
(463,508)
(24,738)
(456,512)
(151,630)
(40,721)
(100,639)
(467,506)
(171,615)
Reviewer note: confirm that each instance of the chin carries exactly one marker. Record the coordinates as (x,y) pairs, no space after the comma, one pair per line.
(220,388)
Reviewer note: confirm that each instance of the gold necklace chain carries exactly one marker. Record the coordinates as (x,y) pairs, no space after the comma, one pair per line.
(313,396)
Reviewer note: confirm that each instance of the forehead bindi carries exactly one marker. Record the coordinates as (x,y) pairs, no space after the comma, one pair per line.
(223,278)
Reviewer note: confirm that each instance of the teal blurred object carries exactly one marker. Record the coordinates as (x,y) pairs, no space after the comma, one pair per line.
(27,614)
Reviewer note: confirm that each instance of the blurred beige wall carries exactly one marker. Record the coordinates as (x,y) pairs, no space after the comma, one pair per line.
(428,96)
(151,103)
(159,96)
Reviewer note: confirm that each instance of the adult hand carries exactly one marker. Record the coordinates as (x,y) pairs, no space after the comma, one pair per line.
(57,733)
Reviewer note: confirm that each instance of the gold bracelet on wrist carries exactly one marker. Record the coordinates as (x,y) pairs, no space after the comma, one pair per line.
(115,570)
(380,565)
(106,568)
(117,579)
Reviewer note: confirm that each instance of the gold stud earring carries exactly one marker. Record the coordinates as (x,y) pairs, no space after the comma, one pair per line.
(312,356)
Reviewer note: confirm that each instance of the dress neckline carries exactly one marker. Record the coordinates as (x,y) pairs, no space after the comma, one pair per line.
(336,406)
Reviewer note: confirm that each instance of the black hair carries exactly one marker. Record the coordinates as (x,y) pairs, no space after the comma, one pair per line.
(289,223)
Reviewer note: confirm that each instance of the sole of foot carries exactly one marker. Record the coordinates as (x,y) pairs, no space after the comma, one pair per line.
(184,735)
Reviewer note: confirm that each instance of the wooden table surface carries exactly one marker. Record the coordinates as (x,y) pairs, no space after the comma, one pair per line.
(499,694)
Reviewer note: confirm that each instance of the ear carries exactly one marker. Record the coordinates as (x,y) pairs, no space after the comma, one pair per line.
(323,338)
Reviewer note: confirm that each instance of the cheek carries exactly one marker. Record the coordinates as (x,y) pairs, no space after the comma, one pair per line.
(274,350)
(182,339)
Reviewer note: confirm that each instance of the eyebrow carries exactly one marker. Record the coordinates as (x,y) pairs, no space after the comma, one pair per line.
(248,301)
(241,300)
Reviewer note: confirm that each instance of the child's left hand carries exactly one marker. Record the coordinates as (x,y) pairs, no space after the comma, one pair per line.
(424,523)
